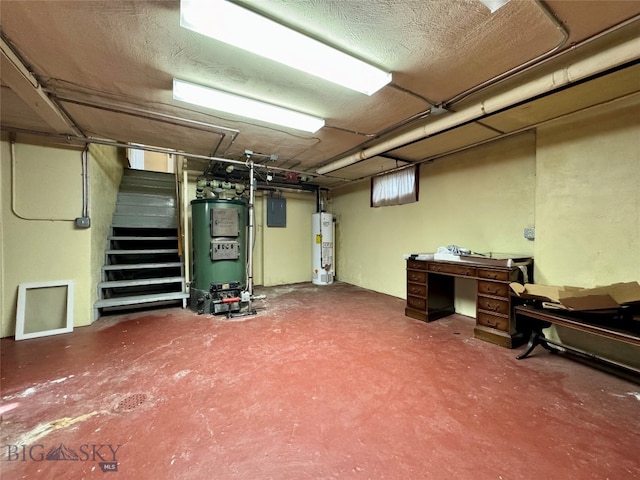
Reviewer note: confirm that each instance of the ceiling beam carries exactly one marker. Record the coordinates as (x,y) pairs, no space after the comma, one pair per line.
(24,84)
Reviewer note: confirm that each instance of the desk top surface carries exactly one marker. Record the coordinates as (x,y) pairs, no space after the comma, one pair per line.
(496,260)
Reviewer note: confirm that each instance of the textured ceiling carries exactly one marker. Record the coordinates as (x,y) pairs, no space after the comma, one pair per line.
(109,65)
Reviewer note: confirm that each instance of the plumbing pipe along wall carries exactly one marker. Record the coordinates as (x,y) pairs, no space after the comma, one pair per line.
(610,58)
(252,187)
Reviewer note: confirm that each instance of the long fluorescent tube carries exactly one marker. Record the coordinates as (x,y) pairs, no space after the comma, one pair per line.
(242,28)
(494,5)
(244,107)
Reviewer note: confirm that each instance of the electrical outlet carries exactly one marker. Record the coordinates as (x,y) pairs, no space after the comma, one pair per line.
(530,233)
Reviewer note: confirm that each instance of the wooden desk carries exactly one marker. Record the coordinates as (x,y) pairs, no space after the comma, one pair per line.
(430,295)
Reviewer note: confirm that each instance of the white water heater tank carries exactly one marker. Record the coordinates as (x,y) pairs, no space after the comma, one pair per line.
(323,248)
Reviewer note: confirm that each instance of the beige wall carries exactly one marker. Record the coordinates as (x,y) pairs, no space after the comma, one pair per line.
(158,162)
(479,199)
(281,255)
(40,200)
(577,181)
(105,173)
(286,251)
(258,249)
(588,198)
(588,208)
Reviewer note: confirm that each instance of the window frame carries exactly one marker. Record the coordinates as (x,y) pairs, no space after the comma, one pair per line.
(392,202)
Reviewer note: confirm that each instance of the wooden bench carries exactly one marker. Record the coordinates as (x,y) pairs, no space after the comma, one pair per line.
(624,328)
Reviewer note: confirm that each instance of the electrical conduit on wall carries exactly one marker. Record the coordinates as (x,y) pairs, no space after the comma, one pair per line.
(14,195)
(610,58)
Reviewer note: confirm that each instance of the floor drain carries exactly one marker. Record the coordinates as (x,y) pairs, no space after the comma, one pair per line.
(131,402)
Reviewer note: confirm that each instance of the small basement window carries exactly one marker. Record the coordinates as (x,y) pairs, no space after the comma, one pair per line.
(396,188)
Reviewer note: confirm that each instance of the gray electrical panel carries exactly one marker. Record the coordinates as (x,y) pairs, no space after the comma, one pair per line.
(276,212)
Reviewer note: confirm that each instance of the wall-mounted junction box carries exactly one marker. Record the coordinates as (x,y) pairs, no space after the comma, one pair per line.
(83,222)
(530,233)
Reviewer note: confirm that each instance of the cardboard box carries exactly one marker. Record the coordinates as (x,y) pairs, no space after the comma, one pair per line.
(609,297)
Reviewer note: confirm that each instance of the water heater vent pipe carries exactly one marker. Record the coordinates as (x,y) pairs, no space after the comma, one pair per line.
(252,188)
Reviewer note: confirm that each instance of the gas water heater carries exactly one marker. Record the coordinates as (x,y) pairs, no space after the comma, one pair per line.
(323,233)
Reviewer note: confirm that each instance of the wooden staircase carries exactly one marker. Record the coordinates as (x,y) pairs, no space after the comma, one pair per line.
(143,266)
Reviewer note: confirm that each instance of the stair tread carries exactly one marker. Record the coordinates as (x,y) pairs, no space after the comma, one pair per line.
(167,213)
(149,183)
(131,222)
(136,299)
(143,221)
(141,237)
(146,202)
(152,228)
(142,251)
(127,180)
(141,281)
(134,266)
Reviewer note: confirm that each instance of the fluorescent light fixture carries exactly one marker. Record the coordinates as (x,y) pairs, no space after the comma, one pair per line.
(244,107)
(494,5)
(242,28)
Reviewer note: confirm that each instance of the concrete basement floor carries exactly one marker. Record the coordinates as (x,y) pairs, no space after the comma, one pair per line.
(324,383)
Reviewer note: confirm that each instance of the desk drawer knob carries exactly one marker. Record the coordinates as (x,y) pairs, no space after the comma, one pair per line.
(492,290)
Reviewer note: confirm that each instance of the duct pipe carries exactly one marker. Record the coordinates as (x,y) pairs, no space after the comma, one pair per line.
(580,70)
(499,137)
(525,66)
(541,60)
(252,188)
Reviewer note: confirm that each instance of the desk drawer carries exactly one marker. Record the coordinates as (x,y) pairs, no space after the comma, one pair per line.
(453,269)
(489,274)
(493,288)
(492,305)
(416,277)
(417,290)
(416,264)
(417,303)
(493,321)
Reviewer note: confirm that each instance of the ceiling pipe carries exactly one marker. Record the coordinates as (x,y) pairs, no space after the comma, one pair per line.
(69,139)
(520,68)
(110,106)
(128,109)
(538,61)
(580,70)
(502,136)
